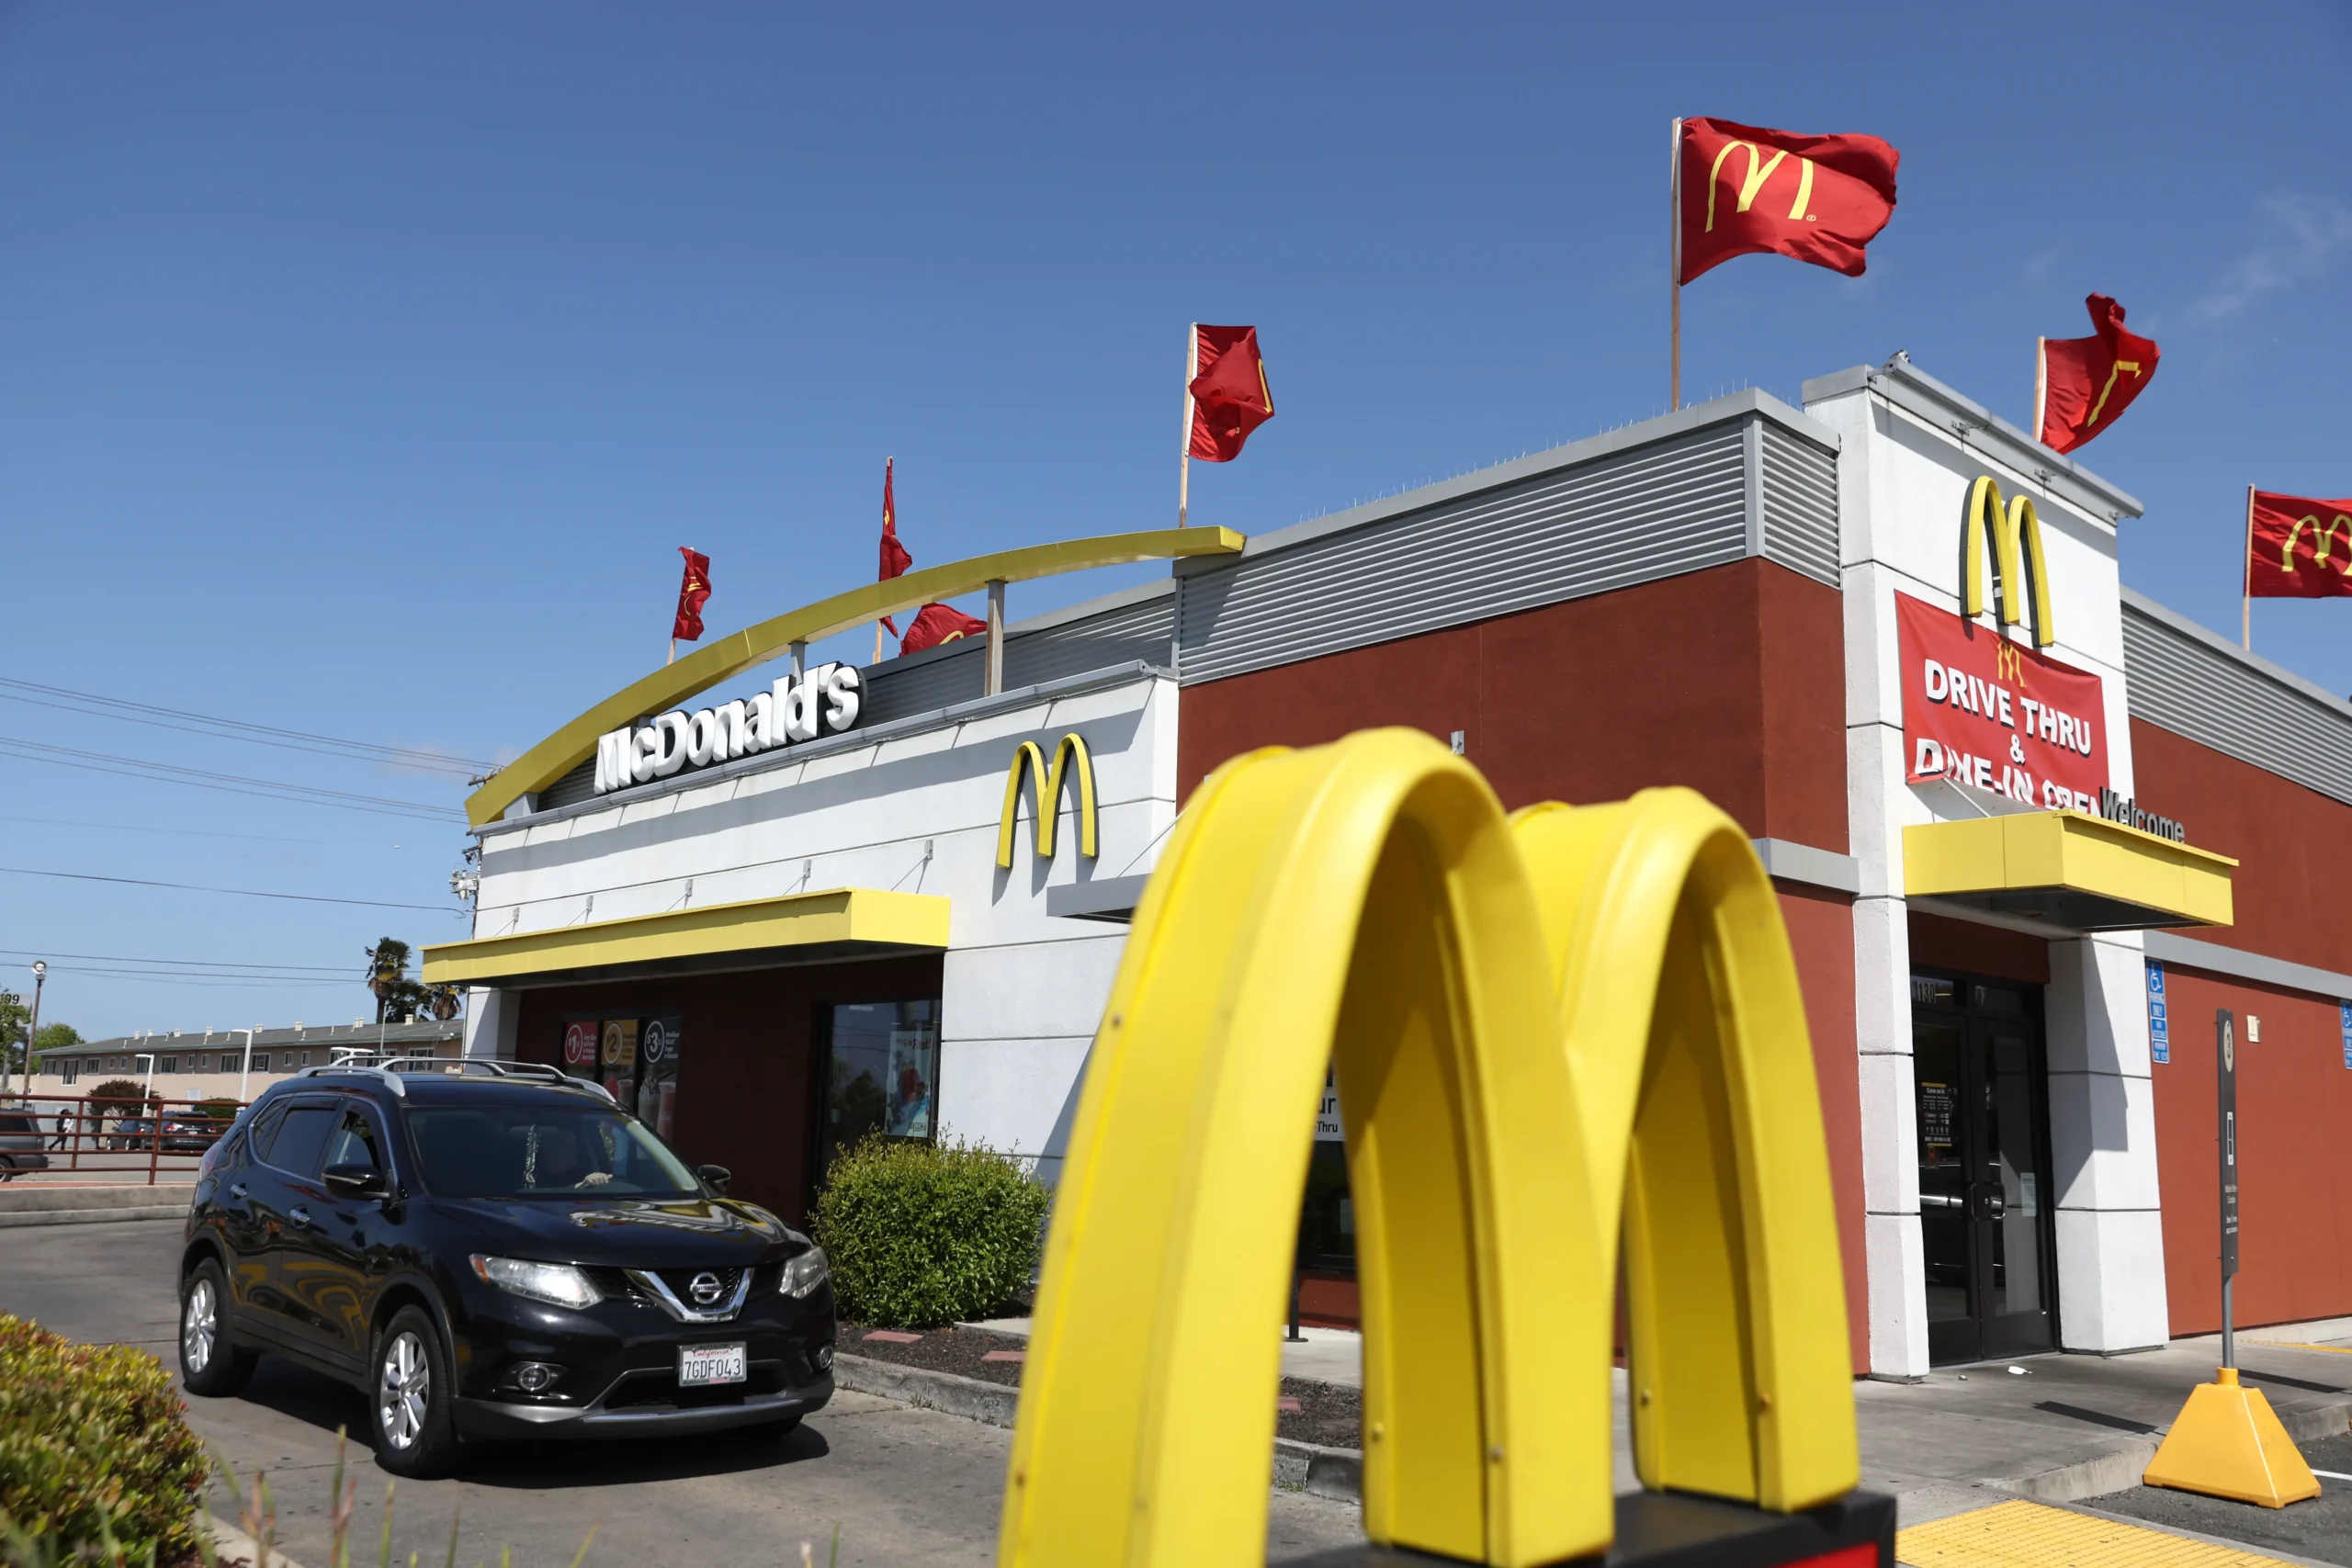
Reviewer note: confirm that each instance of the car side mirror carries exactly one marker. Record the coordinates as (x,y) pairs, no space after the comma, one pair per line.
(356,1181)
(715,1177)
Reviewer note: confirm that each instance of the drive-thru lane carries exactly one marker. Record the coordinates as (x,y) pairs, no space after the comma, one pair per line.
(905,1485)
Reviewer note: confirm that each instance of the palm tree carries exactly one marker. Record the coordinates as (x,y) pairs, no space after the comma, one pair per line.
(387,975)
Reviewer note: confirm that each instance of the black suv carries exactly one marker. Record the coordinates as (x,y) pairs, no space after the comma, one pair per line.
(497,1252)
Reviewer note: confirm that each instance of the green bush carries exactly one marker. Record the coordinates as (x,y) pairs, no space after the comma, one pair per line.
(94,1449)
(921,1234)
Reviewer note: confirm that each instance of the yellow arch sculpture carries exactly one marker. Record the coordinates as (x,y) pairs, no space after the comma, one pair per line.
(736,651)
(2015,528)
(1528,1017)
(1045,797)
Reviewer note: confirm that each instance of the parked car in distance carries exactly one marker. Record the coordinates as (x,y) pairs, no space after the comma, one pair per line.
(191,1133)
(130,1132)
(500,1252)
(20,1144)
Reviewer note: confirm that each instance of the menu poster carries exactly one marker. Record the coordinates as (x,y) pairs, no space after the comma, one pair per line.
(620,1061)
(910,1058)
(657,1094)
(580,1048)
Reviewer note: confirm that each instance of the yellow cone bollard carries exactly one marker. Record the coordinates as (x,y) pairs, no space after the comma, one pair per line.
(2228,1443)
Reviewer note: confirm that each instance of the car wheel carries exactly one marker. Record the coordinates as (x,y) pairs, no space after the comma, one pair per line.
(7,1169)
(412,1397)
(210,1364)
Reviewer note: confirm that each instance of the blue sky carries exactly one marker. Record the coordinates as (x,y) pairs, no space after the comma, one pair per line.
(362,366)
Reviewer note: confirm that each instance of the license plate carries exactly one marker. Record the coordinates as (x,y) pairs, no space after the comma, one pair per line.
(700,1366)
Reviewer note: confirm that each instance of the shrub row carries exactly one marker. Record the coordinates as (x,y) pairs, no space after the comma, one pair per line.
(94,1450)
(920,1234)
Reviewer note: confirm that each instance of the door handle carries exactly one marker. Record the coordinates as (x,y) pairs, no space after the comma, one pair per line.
(1990,1202)
(236,1189)
(298,1216)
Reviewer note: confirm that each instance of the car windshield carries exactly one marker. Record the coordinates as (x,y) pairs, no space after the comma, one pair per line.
(542,1151)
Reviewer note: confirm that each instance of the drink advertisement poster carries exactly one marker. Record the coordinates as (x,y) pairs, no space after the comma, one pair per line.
(1982,710)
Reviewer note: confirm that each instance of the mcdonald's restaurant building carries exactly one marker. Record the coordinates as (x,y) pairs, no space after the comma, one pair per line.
(2028,831)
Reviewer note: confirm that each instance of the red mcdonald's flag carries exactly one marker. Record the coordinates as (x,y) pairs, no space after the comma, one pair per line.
(895,559)
(1744,188)
(692,592)
(1229,394)
(2298,548)
(936,624)
(2082,385)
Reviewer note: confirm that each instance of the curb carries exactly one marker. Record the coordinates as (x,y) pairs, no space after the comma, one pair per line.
(89,1216)
(2119,1469)
(236,1546)
(1335,1473)
(61,1204)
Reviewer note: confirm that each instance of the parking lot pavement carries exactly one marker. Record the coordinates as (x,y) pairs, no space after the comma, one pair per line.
(2320,1528)
(905,1485)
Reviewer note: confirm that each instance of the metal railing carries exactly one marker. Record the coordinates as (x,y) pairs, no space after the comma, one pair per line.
(129,1140)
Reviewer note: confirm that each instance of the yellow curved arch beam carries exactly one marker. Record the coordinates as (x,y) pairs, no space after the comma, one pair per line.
(736,651)
(1693,1069)
(1045,797)
(1361,903)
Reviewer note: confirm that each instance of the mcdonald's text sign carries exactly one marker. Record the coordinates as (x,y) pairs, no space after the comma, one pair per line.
(1981,709)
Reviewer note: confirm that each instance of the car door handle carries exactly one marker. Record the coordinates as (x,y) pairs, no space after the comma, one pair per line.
(237,1190)
(298,1216)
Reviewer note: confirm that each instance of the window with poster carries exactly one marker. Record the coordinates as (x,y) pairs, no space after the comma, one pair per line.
(881,1067)
(636,1060)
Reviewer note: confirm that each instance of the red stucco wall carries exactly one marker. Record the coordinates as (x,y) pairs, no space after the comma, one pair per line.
(2294,1186)
(2294,850)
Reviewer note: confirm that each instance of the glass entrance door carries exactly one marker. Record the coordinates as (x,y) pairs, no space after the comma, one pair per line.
(1983,1172)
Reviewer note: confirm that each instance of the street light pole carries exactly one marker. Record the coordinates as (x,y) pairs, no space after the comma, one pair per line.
(245,1077)
(7,1062)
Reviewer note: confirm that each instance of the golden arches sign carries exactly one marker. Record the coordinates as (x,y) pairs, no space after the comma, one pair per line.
(1045,797)
(1541,1024)
(2017,543)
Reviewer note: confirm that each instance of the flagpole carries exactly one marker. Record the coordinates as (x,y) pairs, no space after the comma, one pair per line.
(1674,261)
(2246,604)
(674,652)
(1184,463)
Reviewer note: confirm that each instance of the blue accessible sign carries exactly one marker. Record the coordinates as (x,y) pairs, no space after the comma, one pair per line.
(2160,1031)
(2345,1010)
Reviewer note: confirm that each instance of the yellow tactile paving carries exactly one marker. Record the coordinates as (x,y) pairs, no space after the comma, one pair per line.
(2029,1535)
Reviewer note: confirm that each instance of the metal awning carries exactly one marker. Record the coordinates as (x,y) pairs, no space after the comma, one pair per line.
(2069,870)
(801,927)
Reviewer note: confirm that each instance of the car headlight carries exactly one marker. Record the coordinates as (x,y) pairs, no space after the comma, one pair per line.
(805,1272)
(558,1284)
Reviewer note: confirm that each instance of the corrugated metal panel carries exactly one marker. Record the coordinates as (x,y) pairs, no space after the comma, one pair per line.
(1121,635)
(1800,505)
(2182,684)
(897,691)
(1632,517)
(1143,631)
(572,788)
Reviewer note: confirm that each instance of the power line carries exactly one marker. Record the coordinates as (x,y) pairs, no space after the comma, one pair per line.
(294,740)
(200,979)
(189,963)
(191,832)
(239,892)
(269,789)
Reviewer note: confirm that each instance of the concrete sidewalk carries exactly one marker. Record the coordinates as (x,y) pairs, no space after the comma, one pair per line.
(61,1203)
(2059,1428)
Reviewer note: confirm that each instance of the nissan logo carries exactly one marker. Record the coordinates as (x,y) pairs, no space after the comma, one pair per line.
(705,1289)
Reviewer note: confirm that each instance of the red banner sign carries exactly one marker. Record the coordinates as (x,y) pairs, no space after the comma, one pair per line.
(1979,709)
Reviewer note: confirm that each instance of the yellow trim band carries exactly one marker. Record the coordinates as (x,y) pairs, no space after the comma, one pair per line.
(799,920)
(738,651)
(2130,873)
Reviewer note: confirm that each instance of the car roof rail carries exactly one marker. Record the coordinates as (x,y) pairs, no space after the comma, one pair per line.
(535,1072)
(349,1071)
